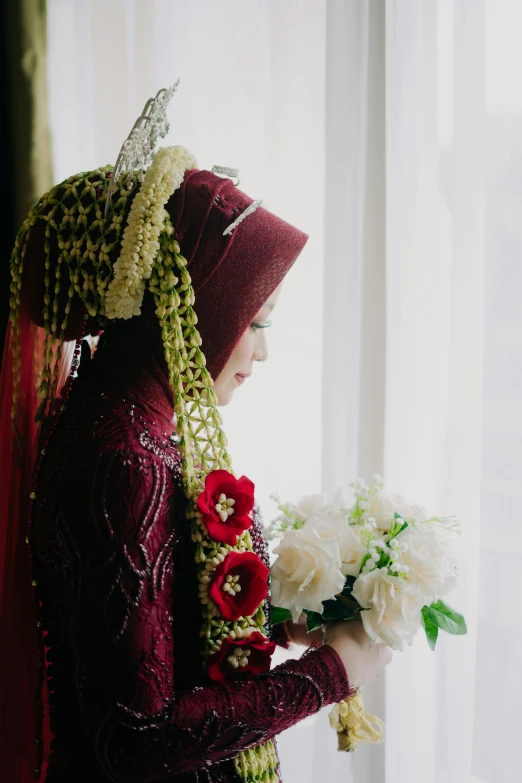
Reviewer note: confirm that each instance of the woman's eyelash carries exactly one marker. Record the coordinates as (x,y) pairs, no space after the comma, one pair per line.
(255,325)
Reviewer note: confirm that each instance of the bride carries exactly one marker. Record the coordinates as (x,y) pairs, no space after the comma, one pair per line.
(135,607)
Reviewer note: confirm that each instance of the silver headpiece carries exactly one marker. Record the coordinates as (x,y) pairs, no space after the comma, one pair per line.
(248,211)
(138,149)
(228,171)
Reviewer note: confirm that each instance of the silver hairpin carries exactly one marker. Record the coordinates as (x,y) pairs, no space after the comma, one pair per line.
(227,171)
(138,148)
(248,211)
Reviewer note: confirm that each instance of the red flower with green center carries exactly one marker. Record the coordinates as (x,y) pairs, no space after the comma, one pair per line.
(226,503)
(239,584)
(241,659)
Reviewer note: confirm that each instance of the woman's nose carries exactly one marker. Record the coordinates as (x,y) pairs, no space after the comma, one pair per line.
(260,347)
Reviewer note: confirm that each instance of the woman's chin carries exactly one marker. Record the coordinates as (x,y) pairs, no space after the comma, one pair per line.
(224,395)
(225,390)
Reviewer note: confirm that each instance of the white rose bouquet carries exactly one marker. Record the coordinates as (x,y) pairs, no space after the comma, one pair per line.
(379,558)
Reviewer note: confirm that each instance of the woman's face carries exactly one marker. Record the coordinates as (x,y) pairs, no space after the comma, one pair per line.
(251,348)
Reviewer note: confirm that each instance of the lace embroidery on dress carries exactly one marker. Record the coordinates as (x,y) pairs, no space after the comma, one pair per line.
(115,572)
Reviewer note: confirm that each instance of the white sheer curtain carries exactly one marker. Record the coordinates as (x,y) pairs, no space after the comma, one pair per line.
(443,422)
(452,425)
(354,314)
(434,264)
(390,132)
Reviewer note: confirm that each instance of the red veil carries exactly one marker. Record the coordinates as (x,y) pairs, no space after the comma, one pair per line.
(233,275)
(22,710)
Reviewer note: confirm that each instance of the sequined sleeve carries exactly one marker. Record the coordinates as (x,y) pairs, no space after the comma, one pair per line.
(141,726)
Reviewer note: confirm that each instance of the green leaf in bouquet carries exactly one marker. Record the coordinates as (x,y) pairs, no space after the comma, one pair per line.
(313,620)
(447,619)
(431,628)
(348,585)
(279,615)
(338,610)
(349,602)
(396,528)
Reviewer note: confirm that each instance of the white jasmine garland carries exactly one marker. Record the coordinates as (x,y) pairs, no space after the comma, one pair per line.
(140,243)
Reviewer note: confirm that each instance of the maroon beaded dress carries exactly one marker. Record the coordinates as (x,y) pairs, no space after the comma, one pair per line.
(113,559)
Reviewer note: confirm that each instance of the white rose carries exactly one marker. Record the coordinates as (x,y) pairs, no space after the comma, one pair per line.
(306,572)
(310,504)
(393,607)
(330,505)
(383,505)
(428,556)
(347,536)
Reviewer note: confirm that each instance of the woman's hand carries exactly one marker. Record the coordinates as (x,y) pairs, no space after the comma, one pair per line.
(299,634)
(363,660)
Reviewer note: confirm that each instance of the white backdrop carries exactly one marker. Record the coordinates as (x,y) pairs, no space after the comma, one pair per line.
(390,132)
(453,431)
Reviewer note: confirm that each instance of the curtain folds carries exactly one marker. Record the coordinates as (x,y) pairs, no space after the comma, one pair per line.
(25,129)
(435,269)
(354,300)
(25,35)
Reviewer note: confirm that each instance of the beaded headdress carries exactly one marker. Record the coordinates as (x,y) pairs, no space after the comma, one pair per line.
(107,256)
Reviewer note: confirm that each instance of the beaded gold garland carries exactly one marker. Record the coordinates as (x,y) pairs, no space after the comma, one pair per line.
(87,247)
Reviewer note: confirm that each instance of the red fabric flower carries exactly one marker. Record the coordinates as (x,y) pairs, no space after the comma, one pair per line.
(255,652)
(248,571)
(226,503)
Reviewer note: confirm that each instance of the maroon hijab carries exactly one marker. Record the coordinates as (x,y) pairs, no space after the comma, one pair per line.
(233,275)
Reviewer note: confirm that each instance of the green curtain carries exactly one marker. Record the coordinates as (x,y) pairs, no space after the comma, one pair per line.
(24,128)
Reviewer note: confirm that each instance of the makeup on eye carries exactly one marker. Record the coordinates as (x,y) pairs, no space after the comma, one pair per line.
(260,325)
(260,322)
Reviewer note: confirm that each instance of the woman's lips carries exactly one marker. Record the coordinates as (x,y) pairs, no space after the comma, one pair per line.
(240,378)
